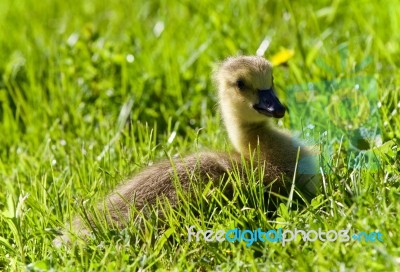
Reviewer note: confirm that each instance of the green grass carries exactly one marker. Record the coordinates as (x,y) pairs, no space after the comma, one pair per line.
(92,92)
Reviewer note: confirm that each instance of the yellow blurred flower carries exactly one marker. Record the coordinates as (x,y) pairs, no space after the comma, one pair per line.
(282,56)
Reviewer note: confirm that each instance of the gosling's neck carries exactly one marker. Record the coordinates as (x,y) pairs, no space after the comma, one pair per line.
(246,137)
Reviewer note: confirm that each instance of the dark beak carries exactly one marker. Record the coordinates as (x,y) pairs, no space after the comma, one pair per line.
(269,104)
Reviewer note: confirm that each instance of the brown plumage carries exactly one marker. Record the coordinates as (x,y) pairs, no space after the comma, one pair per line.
(247,102)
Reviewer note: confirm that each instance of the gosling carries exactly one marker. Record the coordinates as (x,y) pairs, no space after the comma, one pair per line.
(247,101)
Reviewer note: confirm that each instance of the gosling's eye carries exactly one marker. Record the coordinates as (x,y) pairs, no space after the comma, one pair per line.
(240,84)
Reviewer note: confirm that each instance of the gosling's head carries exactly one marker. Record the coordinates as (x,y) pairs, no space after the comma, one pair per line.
(246,89)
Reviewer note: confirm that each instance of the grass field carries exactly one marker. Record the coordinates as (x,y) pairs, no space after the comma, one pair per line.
(93,91)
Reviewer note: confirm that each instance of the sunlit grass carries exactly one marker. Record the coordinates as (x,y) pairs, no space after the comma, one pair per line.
(93,91)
